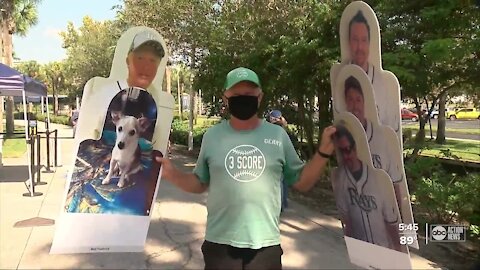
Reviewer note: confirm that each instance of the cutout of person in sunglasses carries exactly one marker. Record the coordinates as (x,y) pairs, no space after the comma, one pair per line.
(364,196)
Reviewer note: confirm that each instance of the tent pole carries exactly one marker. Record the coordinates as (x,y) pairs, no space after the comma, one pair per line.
(29,150)
(42,106)
(48,115)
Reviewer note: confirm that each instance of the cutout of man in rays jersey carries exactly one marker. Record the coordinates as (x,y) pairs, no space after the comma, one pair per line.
(367,209)
(379,148)
(359,46)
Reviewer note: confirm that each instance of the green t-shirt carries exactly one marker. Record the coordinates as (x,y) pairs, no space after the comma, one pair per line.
(243,170)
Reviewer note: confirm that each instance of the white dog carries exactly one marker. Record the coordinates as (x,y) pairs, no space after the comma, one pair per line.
(126,152)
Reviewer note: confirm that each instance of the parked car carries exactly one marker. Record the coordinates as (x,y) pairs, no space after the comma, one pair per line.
(464,113)
(423,112)
(434,113)
(409,115)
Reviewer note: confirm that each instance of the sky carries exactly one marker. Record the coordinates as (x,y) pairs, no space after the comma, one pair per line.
(42,42)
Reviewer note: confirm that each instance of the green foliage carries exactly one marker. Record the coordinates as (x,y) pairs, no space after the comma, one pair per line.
(186,25)
(58,119)
(90,49)
(289,45)
(431,46)
(179,133)
(32,69)
(25,14)
(177,116)
(442,196)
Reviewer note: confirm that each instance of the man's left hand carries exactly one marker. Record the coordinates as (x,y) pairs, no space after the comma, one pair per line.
(326,145)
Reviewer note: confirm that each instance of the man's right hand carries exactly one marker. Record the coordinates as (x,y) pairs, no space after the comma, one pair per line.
(168,170)
(185,181)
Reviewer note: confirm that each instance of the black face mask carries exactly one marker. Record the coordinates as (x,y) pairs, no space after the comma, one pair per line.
(243,107)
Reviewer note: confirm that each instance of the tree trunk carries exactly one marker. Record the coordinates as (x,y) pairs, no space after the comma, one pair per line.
(309,126)
(179,95)
(305,128)
(55,99)
(56,105)
(9,115)
(429,112)
(420,136)
(441,119)
(192,101)
(7,42)
(168,73)
(195,108)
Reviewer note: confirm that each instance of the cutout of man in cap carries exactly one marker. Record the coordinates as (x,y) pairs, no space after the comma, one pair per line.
(241,162)
(143,58)
(145,53)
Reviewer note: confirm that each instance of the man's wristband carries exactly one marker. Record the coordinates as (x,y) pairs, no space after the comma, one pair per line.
(327,156)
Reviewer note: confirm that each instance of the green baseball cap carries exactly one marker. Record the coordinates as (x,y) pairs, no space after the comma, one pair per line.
(239,75)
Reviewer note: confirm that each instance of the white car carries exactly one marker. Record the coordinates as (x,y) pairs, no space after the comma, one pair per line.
(434,113)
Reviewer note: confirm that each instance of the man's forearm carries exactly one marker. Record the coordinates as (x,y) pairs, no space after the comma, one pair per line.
(188,182)
(311,173)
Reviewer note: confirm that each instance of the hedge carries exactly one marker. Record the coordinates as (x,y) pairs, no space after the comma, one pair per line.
(179,133)
(58,119)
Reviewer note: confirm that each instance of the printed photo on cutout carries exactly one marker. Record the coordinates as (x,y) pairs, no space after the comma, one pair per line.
(124,123)
(364,195)
(360,45)
(113,175)
(354,94)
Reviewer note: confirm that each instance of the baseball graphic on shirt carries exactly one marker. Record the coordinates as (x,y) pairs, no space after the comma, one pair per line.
(245,163)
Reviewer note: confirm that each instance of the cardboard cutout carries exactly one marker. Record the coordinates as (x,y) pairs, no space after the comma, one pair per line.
(354,94)
(121,129)
(366,201)
(360,46)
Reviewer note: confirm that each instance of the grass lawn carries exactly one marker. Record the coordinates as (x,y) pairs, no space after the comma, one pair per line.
(203,121)
(464,150)
(15,145)
(14,148)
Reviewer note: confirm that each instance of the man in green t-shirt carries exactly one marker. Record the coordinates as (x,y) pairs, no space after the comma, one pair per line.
(241,162)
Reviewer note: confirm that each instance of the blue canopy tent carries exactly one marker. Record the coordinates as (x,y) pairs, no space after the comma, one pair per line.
(14,83)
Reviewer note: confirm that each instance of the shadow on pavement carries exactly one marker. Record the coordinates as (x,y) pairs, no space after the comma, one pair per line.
(17,173)
(171,244)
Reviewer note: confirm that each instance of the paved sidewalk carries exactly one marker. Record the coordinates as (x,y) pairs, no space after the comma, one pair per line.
(310,240)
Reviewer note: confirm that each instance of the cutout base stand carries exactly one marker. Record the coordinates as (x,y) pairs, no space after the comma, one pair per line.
(35,194)
(34,222)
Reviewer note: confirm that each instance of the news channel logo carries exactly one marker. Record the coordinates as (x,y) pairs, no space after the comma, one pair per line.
(447,233)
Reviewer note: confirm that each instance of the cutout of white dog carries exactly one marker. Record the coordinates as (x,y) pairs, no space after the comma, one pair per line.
(126,153)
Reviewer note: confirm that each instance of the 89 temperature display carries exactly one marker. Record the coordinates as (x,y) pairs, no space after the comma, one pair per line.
(408,233)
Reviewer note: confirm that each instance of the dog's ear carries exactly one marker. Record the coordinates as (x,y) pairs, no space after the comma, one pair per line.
(116,115)
(143,124)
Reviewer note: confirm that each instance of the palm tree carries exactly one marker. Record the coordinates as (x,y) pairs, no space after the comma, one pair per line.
(54,72)
(16,17)
(181,74)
